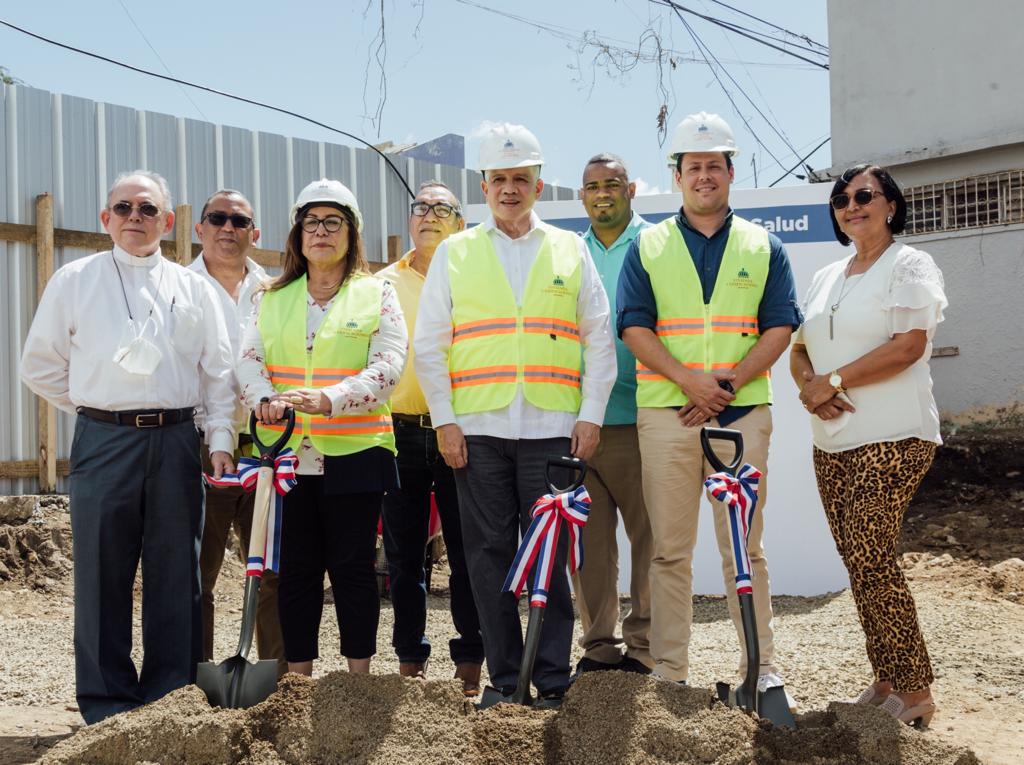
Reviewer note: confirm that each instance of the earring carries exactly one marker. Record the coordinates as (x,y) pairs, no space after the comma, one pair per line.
(889,220)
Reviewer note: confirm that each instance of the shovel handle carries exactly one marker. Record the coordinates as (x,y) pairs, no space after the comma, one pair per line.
(707,435)
(575,464)
(268,452)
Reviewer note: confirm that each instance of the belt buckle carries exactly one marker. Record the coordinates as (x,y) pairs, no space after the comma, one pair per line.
(424,420)
(149,420)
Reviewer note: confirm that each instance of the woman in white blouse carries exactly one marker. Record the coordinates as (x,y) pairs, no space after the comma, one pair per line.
(329,340)
(861,363)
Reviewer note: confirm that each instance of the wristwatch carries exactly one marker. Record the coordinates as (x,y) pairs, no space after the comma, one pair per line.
(836,381)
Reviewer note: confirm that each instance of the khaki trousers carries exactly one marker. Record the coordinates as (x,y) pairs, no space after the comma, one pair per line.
(614,482)
(674,470)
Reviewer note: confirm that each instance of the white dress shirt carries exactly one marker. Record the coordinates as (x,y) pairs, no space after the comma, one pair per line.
(362,392)
(69,353)
(237,316)
(520,419)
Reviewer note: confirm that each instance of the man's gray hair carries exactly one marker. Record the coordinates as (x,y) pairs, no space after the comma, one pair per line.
(156,178)
(606,158)
(436,184)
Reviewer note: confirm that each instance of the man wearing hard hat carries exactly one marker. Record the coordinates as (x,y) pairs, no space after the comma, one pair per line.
(515,357)
(707,303)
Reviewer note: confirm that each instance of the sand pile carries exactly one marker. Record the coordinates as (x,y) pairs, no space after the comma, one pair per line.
(35,542)
(386,720)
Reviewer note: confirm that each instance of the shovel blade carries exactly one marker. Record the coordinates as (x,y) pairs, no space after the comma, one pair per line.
(773,705)
(236,683)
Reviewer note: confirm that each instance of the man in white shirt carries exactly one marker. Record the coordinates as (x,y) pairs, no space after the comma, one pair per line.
(134,343)
(515,357)
(228,232)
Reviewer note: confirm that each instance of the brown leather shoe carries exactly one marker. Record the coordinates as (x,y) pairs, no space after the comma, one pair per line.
(413,669)
(469,674)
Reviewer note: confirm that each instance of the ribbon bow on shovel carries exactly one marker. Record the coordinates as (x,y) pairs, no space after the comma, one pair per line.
(284,481)
(739,494)
(541,541)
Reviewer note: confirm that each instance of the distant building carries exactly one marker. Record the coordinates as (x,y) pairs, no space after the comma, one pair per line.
(933,92)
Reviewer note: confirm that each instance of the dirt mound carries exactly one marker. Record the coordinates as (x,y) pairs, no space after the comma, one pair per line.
(608,717)
(36,552)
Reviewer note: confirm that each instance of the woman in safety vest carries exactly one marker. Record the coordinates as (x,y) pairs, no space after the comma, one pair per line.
(861,363)
(328,339)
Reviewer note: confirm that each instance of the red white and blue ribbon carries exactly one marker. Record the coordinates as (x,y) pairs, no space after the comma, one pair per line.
(739,494)
(540,543)
(284,481)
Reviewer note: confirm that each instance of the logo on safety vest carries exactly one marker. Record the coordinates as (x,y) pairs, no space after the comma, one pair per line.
(742,280)
(351,324)
(742,273)
(557,281)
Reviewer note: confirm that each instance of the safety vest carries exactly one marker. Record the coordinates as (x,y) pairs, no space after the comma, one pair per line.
(497,345)
(711,337)
(340,350)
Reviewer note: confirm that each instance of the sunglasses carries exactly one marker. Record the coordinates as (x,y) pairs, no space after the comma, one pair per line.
(441,209)
(331,223)
(124,209)
(860,196)
(218,219)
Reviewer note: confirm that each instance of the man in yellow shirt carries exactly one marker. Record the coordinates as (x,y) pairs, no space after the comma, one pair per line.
(435,214)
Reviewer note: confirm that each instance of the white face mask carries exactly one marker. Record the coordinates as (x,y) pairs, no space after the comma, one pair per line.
(135,354)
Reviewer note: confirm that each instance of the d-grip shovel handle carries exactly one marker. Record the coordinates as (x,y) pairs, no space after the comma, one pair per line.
(269,452)
(569,463)
(722,434)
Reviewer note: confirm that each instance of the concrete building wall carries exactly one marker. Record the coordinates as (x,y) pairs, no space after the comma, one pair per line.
(912,81)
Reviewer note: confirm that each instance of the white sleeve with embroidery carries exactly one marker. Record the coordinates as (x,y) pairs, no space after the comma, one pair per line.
(917,296)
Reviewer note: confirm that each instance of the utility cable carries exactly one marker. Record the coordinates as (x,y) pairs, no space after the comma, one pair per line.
(804,159)
(805,38)
(232,96)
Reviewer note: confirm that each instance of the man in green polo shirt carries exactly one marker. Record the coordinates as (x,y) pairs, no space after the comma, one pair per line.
(614,479)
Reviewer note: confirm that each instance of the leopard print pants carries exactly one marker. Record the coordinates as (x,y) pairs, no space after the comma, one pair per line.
(865,492)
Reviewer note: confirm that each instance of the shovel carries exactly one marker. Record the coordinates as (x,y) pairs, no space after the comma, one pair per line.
(237,683)
(521,695)
(772,703)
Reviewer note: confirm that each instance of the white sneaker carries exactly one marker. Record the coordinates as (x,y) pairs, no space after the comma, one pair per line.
(656,675)
(774,680)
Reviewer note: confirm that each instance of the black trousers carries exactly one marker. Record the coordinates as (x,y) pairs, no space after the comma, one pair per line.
(406,519)
(336,533)
(497,489)
(134,493)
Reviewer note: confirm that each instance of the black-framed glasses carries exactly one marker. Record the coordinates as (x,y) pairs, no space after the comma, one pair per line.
(218,219)
(124,209)
(860,196)
(331,223)
(441,209)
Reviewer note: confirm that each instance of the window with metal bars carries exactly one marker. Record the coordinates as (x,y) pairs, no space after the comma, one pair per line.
(996,199)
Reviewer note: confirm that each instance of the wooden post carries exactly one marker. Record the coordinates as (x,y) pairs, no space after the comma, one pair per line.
(47,412)
(183,234)
(394,248)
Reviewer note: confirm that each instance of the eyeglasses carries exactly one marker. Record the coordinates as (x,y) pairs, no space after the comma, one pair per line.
(331,223)
(441,209)
(860,196)
(218,219)
(124,209)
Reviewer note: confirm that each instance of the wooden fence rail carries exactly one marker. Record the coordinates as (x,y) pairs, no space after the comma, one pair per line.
(46,239)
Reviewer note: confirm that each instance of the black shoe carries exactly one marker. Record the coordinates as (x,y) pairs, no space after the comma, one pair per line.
(629,664)
(590,665)
(551,699)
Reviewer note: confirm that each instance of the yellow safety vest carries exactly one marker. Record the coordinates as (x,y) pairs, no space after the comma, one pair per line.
(709,337)
(340,350)
(497,345)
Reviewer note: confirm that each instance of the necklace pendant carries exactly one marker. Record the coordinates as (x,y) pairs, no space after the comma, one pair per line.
(831,335)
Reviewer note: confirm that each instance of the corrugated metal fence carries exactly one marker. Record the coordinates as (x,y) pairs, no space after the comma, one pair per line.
(73,148)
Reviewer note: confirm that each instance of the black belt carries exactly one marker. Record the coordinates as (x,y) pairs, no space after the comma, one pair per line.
(140,418)
(423,420)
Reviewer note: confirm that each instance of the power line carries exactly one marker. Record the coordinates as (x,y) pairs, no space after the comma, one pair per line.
(232,96)
(806,38)
(159,57)
(802,160)
(761,167)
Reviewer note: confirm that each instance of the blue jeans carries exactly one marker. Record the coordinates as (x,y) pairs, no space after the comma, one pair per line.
(406,511)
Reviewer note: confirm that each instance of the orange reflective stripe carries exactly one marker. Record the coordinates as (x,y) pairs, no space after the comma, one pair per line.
(484,376)
(346,426)
(643,373)
(482,327)
(282,375)
(558,375)
(743,324)
(545,325)
(681,325)
(322,377)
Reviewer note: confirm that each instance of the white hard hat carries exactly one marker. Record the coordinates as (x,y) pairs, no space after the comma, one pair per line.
(506,146)
(330,192)
(702,132)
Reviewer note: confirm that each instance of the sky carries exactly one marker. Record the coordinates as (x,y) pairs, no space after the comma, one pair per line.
(451,66)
